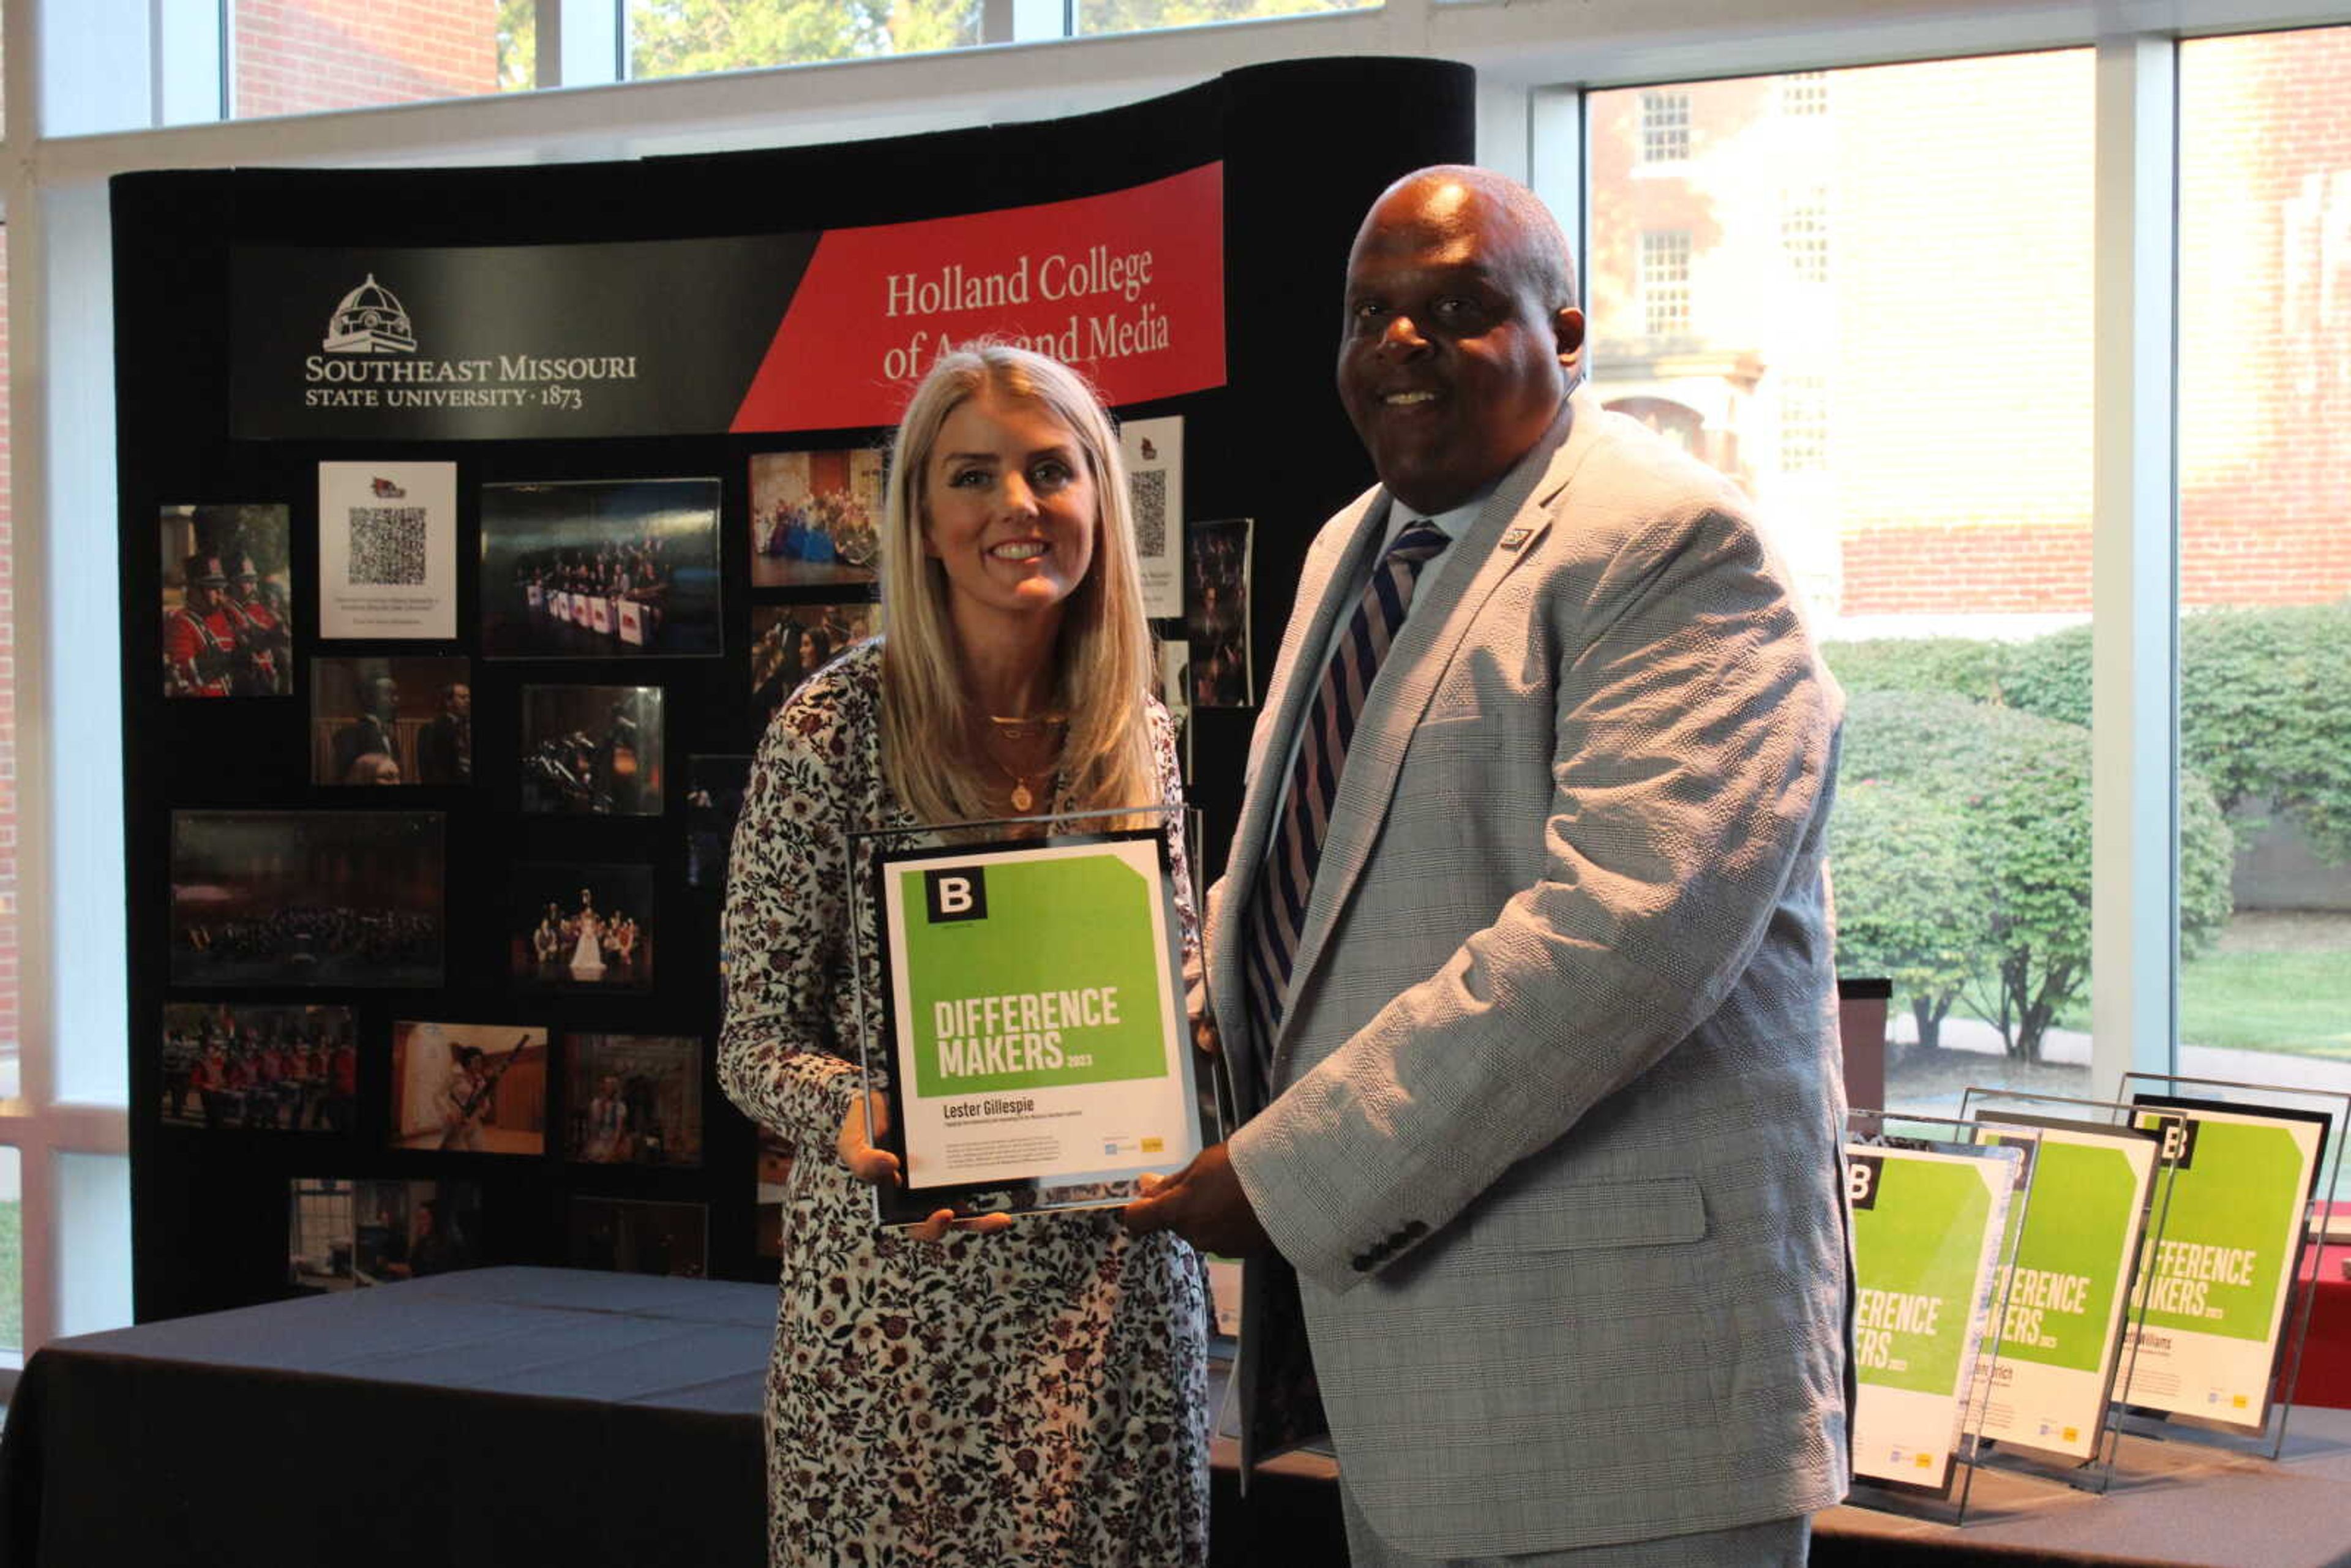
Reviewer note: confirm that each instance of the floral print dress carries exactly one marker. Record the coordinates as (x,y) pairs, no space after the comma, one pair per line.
(1034,1397)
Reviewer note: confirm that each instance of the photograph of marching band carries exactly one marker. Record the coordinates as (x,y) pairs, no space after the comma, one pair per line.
(714,800)
(307,898)
(600,568)
(626,1236)
(227,598)
(813,516)
(632,1099)
(789,642)
(344,1233)
(264,1066)
(471,1089)
(775,1161)
(576,926)
(392,721)
(592,750)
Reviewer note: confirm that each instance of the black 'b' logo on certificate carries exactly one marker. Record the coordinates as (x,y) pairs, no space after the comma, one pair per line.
(958,895)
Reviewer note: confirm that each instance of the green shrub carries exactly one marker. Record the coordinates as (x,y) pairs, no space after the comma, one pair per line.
(2264,706)
(1972,815)
(1964,666)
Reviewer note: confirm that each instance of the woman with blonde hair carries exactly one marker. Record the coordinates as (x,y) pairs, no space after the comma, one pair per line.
(997,1390)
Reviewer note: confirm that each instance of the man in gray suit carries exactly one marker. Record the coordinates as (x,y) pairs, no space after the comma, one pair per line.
(1523,958)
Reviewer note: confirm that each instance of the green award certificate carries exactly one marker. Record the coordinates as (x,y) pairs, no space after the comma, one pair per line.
(2239,1178)
(1926,1230)
(1031,1038)
(2062,1319)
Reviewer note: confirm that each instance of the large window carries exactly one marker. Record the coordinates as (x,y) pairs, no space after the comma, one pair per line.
(1937,511)
(2264,485)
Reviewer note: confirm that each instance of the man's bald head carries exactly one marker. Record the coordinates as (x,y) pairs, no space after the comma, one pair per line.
(1462,333)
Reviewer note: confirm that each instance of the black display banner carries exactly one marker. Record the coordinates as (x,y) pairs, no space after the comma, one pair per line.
(501,343)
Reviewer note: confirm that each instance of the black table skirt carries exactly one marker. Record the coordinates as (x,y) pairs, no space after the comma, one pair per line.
(543,1415)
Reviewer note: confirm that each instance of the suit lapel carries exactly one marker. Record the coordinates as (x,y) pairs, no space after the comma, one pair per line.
(1508,531)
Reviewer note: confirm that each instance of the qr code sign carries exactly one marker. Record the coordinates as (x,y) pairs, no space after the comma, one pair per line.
(1146,490)
(387,546)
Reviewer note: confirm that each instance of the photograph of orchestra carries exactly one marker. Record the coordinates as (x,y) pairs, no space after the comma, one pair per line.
(1216,612)
(775,1160)
(632,1099)
(469,1089)
(714,800)
(392,721)
(266,1066)
(624,1236)
(592,750)
(789,642)
(574,926)
(345,1234)
(307,898)
(227,597)
(600,568)
(813,516)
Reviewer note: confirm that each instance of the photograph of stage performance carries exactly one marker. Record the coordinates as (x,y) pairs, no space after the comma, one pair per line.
(392,721)
(228,592)
(475,1089)
(600,568)
(812,516)
(307,898)
(632,1099)
(273,1067)
(789,642)
(575,925)
(343,1234)
(624,1236)
(592,750)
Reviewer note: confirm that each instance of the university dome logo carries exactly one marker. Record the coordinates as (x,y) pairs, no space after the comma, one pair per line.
(369,320)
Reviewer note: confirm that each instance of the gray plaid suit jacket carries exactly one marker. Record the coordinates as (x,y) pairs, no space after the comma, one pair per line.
(1553,1148)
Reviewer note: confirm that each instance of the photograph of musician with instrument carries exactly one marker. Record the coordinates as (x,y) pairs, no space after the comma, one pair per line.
(469,1088)
(227,595)
(592,750)
(342,1234)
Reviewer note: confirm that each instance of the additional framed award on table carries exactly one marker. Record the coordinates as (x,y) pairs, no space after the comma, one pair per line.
(1025,1028)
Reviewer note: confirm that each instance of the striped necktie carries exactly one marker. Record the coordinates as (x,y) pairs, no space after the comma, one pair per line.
(1278,907)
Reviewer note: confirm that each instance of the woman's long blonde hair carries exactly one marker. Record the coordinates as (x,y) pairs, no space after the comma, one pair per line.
(1105,656)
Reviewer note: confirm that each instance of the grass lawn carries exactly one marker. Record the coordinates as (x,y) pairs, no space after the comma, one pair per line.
(2297,1003)
(12,1274)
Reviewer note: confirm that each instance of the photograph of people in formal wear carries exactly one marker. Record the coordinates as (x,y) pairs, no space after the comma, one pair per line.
(1014,678)
(600,568)
(1523,959)
(1216,612)
(714,800)
(789,642)
(228,592)
(344,1235)
(307,898)
(592,751)
(632,1099)
(581,926)
(383,721)
(632,1236)
(471,1089)
(272,1067)
(813,516)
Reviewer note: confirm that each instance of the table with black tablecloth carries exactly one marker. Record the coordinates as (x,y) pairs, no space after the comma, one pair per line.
(544,1415)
